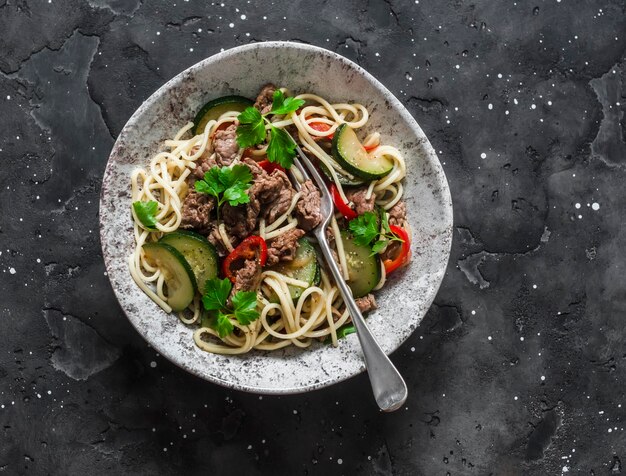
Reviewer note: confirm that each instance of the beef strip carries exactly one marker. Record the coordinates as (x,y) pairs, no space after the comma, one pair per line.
(247,278)
(254,167)
(196,211)
(397,214)
(271,193)
(277,196)
(225,145)
(283,247)
(361,204)
(265,98)
(366,303)
(242,219)
(214,237)
(308,207)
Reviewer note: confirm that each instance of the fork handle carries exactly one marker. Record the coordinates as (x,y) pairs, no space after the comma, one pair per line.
(388,385)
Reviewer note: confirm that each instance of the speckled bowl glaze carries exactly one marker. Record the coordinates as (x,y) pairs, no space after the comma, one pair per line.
(301,68)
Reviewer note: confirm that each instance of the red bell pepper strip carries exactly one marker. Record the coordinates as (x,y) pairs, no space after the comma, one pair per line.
(321,127)
(341,206)
(269,167)
(252,247)
(405,252)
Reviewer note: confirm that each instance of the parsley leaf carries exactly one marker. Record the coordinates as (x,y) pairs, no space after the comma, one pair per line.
(216,293)
(282,105)
(229,182)
(379,246)
(146,213)
(223,326)
(282,148)
(251,129)
(215,298)
(364,228)
(244,303)
(211,183)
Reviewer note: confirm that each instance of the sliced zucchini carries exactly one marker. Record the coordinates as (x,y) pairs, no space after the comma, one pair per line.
(352,156)
(343,179)
(304,267)
(199,253)
(215,108)
(363,268)
(179,278)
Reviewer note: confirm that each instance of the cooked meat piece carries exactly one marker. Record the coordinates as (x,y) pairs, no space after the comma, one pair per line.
(308,206)
(265,98)
(255,168)
(283,247)
(225,145)
(196,212)
(397,214)
(242,219)
(366,303)
(247,278)
(203,164)
(277,195)
(361,204)
(214,237)
(272,193)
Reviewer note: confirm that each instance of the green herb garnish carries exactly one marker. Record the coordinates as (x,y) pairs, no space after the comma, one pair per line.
(146,213)
(226,184)
(243,309)
(251,130)
(365,230)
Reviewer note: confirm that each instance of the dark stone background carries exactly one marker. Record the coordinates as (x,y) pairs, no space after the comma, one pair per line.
(519,367)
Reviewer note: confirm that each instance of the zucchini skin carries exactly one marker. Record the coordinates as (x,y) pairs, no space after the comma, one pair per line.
(199,253)
(370,168)
(216,107)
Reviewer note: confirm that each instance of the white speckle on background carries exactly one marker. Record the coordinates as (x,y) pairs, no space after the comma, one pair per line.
(577,205)
(543,377)
(533,106)
(339,461)
(153,364)
(483,156)
(243,17)
(488,337)
(490,106)
(12,270)
(595,206)
(231,25)
(473,313)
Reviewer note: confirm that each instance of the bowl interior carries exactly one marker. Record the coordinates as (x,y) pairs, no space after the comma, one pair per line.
(301,68)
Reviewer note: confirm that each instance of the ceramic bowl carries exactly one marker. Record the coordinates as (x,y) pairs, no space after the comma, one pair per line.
(301,68)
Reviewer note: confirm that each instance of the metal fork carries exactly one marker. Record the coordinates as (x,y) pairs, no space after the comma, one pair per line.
(388,385)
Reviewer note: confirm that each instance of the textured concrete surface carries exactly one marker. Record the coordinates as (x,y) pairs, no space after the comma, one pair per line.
(518,368)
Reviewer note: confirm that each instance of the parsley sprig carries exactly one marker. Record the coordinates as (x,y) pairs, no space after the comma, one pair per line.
(215,298)
(146,213)
(365,230)
(226,184)
(251,130)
